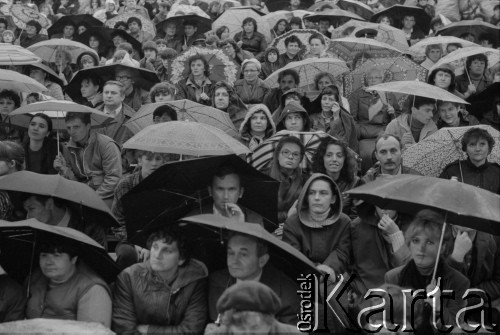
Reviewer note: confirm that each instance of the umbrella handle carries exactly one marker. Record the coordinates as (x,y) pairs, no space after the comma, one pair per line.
(467,73)
(439,247)
(30,274)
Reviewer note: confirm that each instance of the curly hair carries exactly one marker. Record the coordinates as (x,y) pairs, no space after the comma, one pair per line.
(11,95)
(191,59)
(164,88)
(348,171)
(321,75)
(477,134)
(170,235)
(432,77)
(248,20)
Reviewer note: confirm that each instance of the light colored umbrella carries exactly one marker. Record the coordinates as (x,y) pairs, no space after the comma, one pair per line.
(359,8)
(147,24)
(186,138)
(431,155)
(12,80)
(335,16)
(461,54)
(417,88)
(308,69)
(418,49)
(469,26)
(47,50)
(16,55)
(273,17)
(22,13)
(233,19)
(187,110)
(317,6)
(302,34)
(394,68)
(180,9)
(347,47)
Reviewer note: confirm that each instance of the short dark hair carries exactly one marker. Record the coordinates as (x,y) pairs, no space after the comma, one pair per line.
(440,103)
(35,24)
(70,24)
(171,235)
(223,43)
(477,134)
(432,77)
(11,95)
(134,19)
(118,25)
(58,202)
(488,37)
(10,150)
(458,45)
(46,118)
(165,109)
(250,19)
(479,57)
(191,23)
(191,59)
(226,170)
(220,30)
(419,101)
(289,72)
(58,245)
(293,39)
(94,79)
(295,20)
(84,117)
(262,247)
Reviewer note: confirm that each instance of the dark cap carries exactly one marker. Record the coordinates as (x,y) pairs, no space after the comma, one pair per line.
(249,296)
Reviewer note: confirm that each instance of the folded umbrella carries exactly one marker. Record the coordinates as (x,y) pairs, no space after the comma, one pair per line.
(77,20)
(431,155)
(21,241)
(398,12)
(187,110)
(464,204)
(12,80)
(175,189)
(48,49)
(16,55)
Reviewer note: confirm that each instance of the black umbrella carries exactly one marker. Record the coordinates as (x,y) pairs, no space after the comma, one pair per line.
(77,20)
(143,78)
(398,12)
(275,5)
(483,101)
(335,16)
(176,189)
(204,24)
(105,36)
(477,28)
(20,242)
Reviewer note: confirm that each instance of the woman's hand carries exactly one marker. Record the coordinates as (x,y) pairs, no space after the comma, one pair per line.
(463,244)
(204,96)
(434,295)
(387,225)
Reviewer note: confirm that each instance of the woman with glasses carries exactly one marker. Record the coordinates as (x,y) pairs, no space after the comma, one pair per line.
(285,167)
(333,119)
(251,88)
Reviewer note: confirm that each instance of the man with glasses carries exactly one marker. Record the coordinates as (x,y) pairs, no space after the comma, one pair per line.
(135,96)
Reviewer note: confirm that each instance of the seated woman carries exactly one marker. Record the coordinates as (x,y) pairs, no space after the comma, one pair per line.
(167,294)
(250,39)
(334,159)
(280,28)
(197,86)
(66,288)
(235,53)
(444,77)
(317,47)
(251,89)
(62,65)
(91,90)
(257,126)
(271,63)
(224,98)
(162,92)
(9,100)
(322,80)
(285,167)
(450,115)
(422,238)
(293,117)
(333,119)
(41,150)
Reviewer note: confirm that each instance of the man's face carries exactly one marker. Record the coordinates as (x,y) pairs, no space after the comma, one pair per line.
(77,130)
(130,3)
(6,105)
(189,30)
(112,96)
(160,119)
(57,266)
(150,163)
(287,82)
(435,54)
(477,66)
(117,40)
(170,29)
(124,76)
(134,27)
(242,260)
(408,22)
(161,46)
(165,257)
(68,31)
(150,54)
(293,48)
(324,25)
(423,114)
(225,190)
(36,210)
(388,153)
(30,30)
(477,150)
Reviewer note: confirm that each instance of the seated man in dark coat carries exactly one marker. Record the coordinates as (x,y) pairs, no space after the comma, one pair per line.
(476,170)
(247,259)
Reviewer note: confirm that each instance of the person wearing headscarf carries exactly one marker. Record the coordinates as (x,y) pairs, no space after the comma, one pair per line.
(86,60)
(251,88)
(271,63)
(257,126)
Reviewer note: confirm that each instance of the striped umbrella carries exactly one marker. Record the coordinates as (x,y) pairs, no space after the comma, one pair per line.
(12,80)
(263,155)
(16,55)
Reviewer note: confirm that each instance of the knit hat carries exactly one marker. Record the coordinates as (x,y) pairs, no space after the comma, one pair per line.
(253,61)
(249,295)
(149,45)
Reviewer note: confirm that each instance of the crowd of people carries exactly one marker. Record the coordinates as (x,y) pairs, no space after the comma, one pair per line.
(137,60)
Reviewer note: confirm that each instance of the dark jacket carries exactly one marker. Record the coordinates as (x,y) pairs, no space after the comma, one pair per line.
(137,98)
(141,297)
(376,171)
(256,44)
(89,227)
(345,129)
(115,128)
(29,41)
(284,60)
(462,83)
(491,118)
(267,67)
(469,120)
(48,153)
(186,89)
(317,242)
(284,287)
(12,300)
(246,94)
(486,176)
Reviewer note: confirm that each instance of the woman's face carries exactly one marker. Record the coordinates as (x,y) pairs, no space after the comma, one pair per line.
(6,167)
(93,42)
(320,196)
(316,46)
(7,105)
(88,88)
(38,129)
(289,156)
(424,248)
(258,123)
(221,98)
(385,20)
(8,38)
(324,82)
(294,122)
(228,49)
(374,78)
(272,57)
(87,63)
(328,102)
(163,97)
(282,26)
(448,112)
(250,72)
(334,159)
(38,75)
(442,80)
(294,26)
(225,34)
(248,27)
(197,68)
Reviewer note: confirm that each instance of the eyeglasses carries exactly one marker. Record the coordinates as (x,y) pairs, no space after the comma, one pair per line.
(122,78)
(250,71)
(286,153)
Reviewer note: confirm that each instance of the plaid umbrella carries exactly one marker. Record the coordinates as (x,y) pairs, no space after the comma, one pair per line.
(16,55)
(358,7)
(308,69)
(347,47)
(395,69)
(470,26)
(431,155)
(398,12)
(23,13)
(187,110)
(147,25)
(302,34)
(263,155)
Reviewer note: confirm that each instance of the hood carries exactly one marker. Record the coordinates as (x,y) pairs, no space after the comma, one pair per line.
(284,94)
(302,207)
(245,125)
(293,107)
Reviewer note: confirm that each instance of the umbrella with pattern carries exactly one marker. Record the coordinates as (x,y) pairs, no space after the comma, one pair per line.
(336,17)
(431,155)
(418,49)
(347,47)
(302,34)
(24,13)
(493,56)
